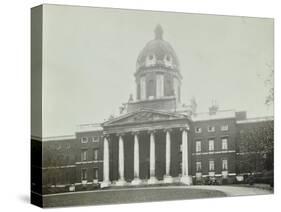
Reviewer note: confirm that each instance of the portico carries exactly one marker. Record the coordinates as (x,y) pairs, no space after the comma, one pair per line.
(147,143)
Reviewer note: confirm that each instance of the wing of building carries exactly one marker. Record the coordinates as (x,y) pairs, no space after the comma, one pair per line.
(155,139)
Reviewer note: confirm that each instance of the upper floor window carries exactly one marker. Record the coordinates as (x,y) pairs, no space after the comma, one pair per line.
(224,128)
(96,153)
(224,164)
(198,166)
(198,129)
(211,165)
(211,129)
(95,139)
(211,145)
(84,140)
(224,143)
(198,146)
(59,147)
(84,154)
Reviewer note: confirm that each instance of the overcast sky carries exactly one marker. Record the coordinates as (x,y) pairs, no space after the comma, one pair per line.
(90,59)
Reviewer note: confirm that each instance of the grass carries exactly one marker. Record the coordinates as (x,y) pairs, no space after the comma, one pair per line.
(128,196)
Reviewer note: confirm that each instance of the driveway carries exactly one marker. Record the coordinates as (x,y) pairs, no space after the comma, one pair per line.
(236,190)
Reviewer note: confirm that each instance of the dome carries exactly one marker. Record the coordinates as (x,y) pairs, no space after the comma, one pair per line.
(158,52)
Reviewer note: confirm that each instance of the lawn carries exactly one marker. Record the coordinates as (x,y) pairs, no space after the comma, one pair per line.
(128,196)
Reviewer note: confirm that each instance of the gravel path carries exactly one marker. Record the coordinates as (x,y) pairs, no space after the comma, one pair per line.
(236,190)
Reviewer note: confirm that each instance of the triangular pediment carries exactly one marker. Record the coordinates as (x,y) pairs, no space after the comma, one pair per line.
(142,116)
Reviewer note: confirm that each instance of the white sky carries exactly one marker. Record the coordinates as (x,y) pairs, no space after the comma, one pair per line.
(90,57)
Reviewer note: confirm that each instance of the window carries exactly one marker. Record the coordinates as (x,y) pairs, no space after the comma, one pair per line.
(150,60)
(96,154)
(159,85)
(198,129)
(211,145)
(211,165)
(95,139)
(151,89)
(198,146)
(84,155)
(198,166)
(84,174)
(96,173)
(84,140)
(224,143)
(224,128)
(224,164)
(211,128)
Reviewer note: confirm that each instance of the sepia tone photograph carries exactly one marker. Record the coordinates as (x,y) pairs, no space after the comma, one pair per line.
(135,106)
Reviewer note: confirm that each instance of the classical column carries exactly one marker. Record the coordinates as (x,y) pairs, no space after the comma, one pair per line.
(105,182)
(136,180)
(167,177)
(121,180)
(185,178)
(152,178)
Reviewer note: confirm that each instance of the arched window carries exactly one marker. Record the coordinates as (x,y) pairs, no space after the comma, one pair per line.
(138,91)
(151,89)
(168,88)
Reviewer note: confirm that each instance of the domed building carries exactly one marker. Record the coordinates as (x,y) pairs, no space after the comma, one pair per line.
(156,139)
(157,76)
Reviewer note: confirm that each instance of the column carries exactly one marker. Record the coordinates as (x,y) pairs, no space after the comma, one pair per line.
(167,177)
(121,180)
(185,178)
(136,180)
(142,88)
(152,179)
(106,181)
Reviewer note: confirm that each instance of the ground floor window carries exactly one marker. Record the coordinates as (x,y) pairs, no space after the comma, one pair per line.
(198,166)
(96,173)
(224,164)
(84,174)
(211,165)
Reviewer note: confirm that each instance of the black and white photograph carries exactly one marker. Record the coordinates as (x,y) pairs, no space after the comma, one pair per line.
(132,106)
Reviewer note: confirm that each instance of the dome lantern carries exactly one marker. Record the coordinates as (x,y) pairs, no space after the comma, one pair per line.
(158,32)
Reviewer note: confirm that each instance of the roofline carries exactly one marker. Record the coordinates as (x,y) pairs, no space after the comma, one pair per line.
(257,119)
(213,117)
(144,110)
(54,138)
(89,127)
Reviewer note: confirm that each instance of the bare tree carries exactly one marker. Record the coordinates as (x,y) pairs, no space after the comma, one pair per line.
(269,82)
(256,148)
